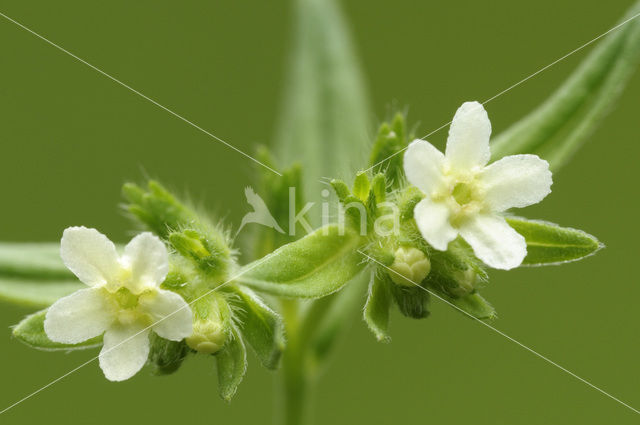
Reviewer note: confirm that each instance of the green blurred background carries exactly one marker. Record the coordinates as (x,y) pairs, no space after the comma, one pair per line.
(70,137)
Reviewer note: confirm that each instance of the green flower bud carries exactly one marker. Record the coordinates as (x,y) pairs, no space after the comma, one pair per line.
(410,265)
(208,336)
(466,280)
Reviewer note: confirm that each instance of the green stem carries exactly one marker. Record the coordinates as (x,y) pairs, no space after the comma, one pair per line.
(296,382)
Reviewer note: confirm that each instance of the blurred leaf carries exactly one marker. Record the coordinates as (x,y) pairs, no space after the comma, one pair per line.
(376,310)
(316,265)
(31,331)
(35,260)
(324,120)
(549,244)
(338,313)
(231,363)
(559,126)
(261,327)
(36,293)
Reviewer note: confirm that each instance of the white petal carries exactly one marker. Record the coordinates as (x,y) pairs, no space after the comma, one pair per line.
(423,165)
(172,312)
(516,181)
(77,317)
(494,241)
(89,254)
(125,351)
(148,259)
(433,221)
(468,142)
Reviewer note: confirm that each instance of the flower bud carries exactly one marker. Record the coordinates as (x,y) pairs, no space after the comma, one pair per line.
(466,282)
(208,336)
(409,267)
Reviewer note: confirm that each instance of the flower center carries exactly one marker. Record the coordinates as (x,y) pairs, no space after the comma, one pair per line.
(125,298)
(462,193)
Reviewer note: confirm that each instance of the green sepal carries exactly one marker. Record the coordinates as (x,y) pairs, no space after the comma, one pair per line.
(231,363)
(386,154)
(411,301)
(376,309)
(166,356)
(31,332)
(313,266)
(261,327)
(474,305)
(361,186)
(550,244)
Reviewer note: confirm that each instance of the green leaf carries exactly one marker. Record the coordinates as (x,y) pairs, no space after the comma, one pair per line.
(474,305)
(559,126)
(33,260)
(261,327)
(314,266)
(36,293)
(31,332)
(324,121)
(376,310)
(231,362)
(549,244)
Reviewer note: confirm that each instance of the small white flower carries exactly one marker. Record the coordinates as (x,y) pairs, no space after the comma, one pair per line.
(465,197)
(123,300)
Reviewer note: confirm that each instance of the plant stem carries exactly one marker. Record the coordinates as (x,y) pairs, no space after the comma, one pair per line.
(295,385)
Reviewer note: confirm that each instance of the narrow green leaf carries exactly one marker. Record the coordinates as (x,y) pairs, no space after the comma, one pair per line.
(376,310)
(324,120)
(31,332)
(36,293)
(559,126)
(313,266)
(261,327)
(475,305)
(231,363)
(33,260)
(549,244)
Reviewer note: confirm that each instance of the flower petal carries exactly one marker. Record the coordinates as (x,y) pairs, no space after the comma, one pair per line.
(494,241)
(433,221)
(171,310)
(125,351)
(77,317)
(423,165)
(148,259)
(89,254)
(516,181)
(468,142)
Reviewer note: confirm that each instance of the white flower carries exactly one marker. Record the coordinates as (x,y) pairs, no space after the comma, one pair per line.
(465,197)
(123,300)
